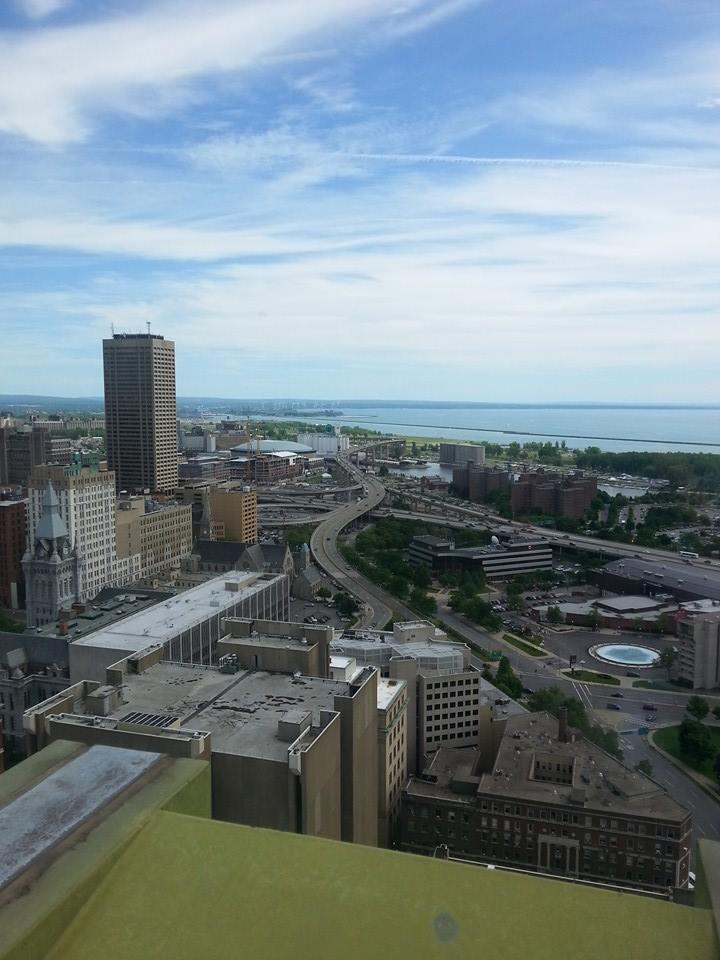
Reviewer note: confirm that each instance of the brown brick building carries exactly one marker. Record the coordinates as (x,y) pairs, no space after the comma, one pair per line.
(13,537)
(545,799)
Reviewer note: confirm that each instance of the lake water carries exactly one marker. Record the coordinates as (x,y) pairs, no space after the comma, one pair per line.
(660,428)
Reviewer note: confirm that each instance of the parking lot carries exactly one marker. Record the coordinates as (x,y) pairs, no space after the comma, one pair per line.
(303,611)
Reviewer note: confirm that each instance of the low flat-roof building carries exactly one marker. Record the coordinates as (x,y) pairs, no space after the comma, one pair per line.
(288,752)
(187,626)
(499,561)
(540,797)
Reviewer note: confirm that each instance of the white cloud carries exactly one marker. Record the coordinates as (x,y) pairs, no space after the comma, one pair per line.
(37,9)
(148,61)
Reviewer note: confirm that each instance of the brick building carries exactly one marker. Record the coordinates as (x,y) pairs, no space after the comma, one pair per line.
(13,537)
(537,796)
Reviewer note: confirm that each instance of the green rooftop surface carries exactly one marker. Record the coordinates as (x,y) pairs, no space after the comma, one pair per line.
(192,888)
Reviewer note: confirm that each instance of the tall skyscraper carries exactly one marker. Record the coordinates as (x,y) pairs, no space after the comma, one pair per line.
(140,411)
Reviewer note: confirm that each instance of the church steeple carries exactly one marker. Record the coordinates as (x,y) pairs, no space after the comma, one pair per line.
(51,535)
(205,531)
(51,565)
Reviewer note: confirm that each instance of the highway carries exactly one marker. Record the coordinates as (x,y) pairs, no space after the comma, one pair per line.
(442,508)
(380,606)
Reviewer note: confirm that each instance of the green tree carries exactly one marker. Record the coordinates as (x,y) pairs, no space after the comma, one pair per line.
(8,623)
(383,471)
(717,767)
(698,707)
(324,593)
(420,601)
(507,680)
(668,658)
(716,712)
(345,604)
(554,615)
(421,576)
(695,741)
(644,767)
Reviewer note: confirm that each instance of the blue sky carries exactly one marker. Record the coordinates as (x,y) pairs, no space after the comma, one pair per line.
(458,199)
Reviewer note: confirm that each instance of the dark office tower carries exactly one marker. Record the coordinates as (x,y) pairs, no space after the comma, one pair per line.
(140,411)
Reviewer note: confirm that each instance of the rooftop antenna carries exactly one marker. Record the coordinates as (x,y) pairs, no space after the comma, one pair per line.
(112,329)
(148,326)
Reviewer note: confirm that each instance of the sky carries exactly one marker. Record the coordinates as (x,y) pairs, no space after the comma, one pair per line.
(482,200)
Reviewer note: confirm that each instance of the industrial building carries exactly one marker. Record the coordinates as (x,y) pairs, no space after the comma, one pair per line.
(326,444)
(462,453)
(535,795)
(498,561)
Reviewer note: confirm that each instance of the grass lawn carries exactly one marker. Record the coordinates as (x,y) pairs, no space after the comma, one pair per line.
(589,676)
(667,738)
(523,645)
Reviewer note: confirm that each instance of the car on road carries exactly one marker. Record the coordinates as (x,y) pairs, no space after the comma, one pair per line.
(632,673)
(619,696)
(613,706)
(649,706)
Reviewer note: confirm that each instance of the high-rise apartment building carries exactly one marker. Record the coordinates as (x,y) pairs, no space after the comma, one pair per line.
(140,411)
(86,497)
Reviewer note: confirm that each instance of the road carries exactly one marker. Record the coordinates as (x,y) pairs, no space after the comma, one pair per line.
(442,508)
(534,674)
(380,607)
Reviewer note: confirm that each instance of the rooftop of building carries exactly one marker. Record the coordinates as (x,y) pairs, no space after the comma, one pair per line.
(161,621)
(430,541)
(388,690)
(273,446)
(630,604)
(671,575)
(106,609)
(599,782)
(355,643)
(701,606)
(153,855)
(240,710)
